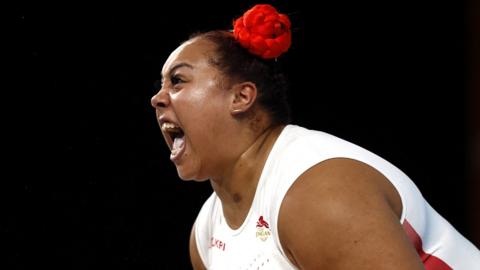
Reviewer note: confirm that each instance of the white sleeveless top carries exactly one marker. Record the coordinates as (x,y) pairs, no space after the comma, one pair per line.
(255,245)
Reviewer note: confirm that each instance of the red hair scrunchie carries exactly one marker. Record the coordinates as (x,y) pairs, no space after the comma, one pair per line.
(263,31)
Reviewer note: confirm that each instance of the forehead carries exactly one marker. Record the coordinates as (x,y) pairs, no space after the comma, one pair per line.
(196,53)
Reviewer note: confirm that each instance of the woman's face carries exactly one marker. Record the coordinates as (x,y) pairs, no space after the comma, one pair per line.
(192,108)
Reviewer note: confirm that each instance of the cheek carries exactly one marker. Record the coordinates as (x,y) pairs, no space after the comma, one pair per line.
(203,103)
(205,122)
(201,109)
(206,93)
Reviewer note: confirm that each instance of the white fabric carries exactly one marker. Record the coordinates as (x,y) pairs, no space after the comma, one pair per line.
(296,150)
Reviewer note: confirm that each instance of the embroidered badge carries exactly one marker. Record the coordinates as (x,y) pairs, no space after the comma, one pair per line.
(263,229)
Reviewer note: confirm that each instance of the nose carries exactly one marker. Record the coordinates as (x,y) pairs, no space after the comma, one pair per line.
(160,100)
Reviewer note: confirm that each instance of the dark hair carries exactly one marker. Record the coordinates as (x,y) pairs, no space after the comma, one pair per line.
(237,63)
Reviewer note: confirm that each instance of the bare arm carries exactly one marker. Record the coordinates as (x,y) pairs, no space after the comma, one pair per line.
(197,263)
(343,214)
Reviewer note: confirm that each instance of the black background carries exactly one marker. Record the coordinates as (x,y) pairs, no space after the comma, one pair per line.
(88,181)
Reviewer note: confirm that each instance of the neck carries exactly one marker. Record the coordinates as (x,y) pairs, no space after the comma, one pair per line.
(236,189)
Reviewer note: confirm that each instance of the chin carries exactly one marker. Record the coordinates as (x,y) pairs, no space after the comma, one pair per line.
(190,176)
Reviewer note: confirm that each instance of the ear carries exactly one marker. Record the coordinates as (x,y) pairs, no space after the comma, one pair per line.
(244,96)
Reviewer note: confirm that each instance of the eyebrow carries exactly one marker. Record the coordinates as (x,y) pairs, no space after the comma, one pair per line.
(177,66)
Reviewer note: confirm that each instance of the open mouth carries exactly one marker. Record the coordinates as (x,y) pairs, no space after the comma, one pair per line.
(175,139)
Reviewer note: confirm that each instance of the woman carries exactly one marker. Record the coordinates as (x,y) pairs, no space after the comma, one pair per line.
(285,197)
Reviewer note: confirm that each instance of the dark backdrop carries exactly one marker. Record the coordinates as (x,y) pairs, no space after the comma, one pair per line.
(89,183)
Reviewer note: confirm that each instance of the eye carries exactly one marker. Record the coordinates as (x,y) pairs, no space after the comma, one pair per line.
(175,80)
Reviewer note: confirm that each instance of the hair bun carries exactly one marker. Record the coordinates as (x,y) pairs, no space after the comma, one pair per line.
(263,31)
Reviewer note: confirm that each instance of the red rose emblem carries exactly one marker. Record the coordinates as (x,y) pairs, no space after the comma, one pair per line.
(263,31)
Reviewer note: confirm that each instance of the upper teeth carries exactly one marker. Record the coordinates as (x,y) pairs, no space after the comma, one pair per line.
(166,126)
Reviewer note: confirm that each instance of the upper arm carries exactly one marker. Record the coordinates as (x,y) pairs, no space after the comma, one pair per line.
(195,259)
(339,215)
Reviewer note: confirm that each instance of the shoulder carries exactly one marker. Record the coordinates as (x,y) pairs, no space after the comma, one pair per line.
(342,213)
(195,258)
(201,231)
(301,147)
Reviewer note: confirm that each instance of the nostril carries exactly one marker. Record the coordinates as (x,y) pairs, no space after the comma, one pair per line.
(158,102)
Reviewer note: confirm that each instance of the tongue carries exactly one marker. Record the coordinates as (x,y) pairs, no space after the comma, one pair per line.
(177,144)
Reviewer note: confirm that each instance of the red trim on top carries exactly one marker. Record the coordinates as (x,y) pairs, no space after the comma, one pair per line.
(429,261)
